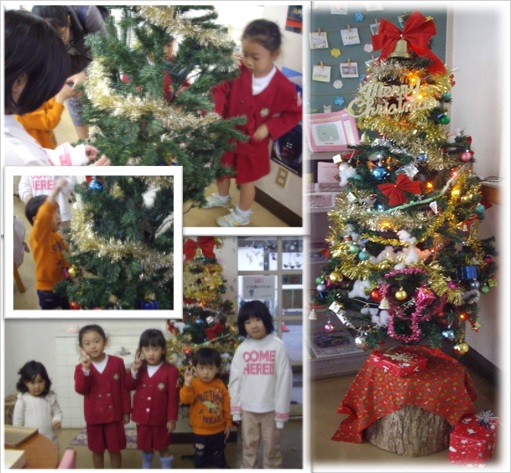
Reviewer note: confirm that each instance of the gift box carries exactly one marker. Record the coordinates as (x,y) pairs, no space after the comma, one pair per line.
(401,361)
(473,439)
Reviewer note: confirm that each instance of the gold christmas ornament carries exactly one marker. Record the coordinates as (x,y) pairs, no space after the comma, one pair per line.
(73,272)
(401,295)
(335,277)
(313,315)
(401,49)
(462,348)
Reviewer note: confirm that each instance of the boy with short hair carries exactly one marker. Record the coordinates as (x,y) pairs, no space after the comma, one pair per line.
(48,247)
(209,401)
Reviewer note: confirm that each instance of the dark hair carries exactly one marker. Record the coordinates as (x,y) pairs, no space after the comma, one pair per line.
(207,356)
(33,206)
(255,309)
(264,32)
(153,338)
(29,372)
(90,328)
(34,48)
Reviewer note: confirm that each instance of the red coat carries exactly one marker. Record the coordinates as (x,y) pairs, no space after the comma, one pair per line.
(106,398)
(278,106)
(156,399)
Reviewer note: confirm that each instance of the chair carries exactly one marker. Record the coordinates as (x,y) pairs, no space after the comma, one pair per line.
(68,460)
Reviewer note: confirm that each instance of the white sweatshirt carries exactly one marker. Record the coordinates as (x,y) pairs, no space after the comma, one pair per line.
(21,149)
(261,379)
(38,412)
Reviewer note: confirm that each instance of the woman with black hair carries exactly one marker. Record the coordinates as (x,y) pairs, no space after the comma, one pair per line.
(36,68)
(73,23)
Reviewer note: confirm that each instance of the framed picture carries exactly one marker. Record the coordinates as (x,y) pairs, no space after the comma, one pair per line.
(331,131)
(349,69)
(375,28)
(321,73)
(318,40)
(350,36)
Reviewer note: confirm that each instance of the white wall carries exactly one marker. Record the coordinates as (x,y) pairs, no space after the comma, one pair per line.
(478,49)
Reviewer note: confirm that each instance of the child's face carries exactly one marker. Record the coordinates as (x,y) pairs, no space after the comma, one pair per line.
(255,328)
(257,59)
(36,386)
(206,373)
(93,344)
(168,51)
(153,355)
(57,220)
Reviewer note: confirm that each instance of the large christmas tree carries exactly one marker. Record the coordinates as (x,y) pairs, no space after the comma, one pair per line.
(207,317)
(405,259)
(121,242)
(147,97)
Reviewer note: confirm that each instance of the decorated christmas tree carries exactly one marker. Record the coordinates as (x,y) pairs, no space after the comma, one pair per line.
(121,244)
(207,317)
(405,260)
(147,97)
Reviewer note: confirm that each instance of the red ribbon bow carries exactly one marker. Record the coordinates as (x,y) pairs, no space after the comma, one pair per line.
(417,32)
(206,244)
(395,192)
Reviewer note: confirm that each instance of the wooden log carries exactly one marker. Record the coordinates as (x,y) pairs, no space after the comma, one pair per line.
(410,431)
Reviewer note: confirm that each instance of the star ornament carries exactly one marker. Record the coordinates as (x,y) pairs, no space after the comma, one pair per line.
(395,192)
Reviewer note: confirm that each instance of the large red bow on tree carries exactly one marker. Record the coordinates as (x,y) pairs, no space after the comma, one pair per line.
(417,32)
(206,244)
(395,192)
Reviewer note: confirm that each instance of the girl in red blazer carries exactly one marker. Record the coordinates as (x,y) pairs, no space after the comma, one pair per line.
(155,404)
(272,107)
(100,378)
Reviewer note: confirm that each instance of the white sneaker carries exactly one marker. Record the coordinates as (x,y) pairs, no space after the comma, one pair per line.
(214,200)
(233,219)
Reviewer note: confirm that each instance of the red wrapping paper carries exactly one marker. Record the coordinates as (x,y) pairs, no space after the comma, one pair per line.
(400,361)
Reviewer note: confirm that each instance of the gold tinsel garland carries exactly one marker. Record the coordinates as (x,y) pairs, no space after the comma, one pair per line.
(98,89)
(201,282)
(83,235)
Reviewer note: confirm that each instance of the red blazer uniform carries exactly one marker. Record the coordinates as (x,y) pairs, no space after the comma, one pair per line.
(278,106)
(106,398)
(156,399)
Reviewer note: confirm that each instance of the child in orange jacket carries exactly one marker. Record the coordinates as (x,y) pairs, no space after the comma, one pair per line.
(41,123)
(48,247)
(209,401)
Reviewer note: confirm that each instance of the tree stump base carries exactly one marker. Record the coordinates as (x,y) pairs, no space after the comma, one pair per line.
(410,431)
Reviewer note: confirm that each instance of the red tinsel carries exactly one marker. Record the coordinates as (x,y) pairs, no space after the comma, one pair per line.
(417,32)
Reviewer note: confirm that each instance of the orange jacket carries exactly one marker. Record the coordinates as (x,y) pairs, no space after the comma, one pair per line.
(209,406)
(41,123)
(48,248)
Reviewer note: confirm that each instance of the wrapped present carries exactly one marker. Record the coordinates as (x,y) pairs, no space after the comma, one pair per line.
(400,361)
(473,439)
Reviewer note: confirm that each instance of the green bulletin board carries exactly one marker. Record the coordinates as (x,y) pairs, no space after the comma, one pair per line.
(353,15)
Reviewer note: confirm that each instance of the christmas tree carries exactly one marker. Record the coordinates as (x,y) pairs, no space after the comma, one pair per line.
(147,97)
(121,244)
(405,259)
(207,317)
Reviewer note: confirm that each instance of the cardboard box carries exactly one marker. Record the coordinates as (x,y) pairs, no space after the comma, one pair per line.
(401,361)
(473,439)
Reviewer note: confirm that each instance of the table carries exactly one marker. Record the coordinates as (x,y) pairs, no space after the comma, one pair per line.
(443,387)
(40,452)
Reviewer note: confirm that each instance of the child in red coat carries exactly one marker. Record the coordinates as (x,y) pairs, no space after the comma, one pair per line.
(272,107)
(100,379)
(155,404)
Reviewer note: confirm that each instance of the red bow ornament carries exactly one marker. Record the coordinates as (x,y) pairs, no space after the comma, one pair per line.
(395,192)
(205,244)
(417,32)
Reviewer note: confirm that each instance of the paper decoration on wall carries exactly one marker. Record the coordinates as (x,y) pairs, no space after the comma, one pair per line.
(349,69)
(358,17)
(318,40)
(331,131)
(338,84)
(327,108)
(373,6)
(335,52)
(338,8)
(321,73)
(339,101)
(374,27)
(350,36)
(368,48)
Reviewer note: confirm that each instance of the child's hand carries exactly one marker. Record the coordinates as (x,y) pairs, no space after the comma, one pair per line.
(126,419)
(188,376)
(227,431)
(65,93)
(85,361)
(137,363)
(58,186)
(171,426)
(261,133)
(57,424)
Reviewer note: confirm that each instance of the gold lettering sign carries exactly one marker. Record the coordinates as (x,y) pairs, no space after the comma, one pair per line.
(405,98)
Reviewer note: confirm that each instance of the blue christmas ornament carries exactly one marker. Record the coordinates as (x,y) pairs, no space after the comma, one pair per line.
(480,210)
(380,173)
(364,255)
(449,334)
(379,206)
(422,157)
(95,185)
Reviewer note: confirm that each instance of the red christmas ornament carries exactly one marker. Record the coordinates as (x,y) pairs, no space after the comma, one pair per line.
(74,306)
(375,295)
(187,351)
(215,331)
